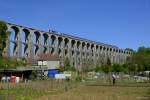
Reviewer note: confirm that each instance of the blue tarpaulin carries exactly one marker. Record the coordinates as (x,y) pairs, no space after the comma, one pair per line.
(52,72)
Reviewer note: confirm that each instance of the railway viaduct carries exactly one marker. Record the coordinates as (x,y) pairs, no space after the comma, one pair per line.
(25,42)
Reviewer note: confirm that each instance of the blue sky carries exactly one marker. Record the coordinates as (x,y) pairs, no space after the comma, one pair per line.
(124,23)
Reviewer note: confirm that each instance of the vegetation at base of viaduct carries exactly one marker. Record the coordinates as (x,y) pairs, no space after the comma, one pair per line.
(6,63)
(140,61)
(3,36)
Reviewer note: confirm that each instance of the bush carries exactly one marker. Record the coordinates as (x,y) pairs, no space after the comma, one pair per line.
(117,68)
(78,78)
(33,75)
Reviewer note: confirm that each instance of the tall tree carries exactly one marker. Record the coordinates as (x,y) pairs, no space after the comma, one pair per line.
(141,59)
(3,36)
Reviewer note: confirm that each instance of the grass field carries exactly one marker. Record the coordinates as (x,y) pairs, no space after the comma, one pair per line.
(102,90)
(103,93)
(99,89)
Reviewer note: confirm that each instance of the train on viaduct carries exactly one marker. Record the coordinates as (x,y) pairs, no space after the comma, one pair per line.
(26,42)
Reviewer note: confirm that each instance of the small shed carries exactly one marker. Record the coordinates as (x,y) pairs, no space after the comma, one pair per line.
(48,60)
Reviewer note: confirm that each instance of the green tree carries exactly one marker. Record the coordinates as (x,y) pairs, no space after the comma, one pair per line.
(67,66)
(141,59)
(117,68)
(3,36)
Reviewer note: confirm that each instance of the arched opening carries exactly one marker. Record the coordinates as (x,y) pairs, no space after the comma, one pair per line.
(24,39)
(73,43)
(117,50)
(92,46)
(36,49)
(92,49)
(107,49)
(36,37)
(72,52)
(13,33)
(25,35)
(100,47)
(78,45)
(25,54)
(83,45)
(53,39)
(11,49)
(66,52)
(88,45)
(104,48)
(45,39)
(12,39)
(97,48)
(60,41)
(110,49)
(45,50)
(66,40)
(52,51)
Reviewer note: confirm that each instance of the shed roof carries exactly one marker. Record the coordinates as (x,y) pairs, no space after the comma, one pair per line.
(48,57)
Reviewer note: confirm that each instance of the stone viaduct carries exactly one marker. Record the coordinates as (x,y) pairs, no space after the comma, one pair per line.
(25,42)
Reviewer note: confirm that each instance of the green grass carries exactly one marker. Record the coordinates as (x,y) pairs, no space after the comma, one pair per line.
(100,89)
(20,93)
(31,90)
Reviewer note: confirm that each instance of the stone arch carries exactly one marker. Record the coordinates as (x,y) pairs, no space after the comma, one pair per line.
(25,35)
(36,37)
(24,39)
(13,33)
(53,40)
(60,39)
(97,47)
(107,49)
(83,45)
(92,49)
(66,42)
(37,42)
(114,50)
(45,39)
(104,48)
(78,44)
(88,45)
(92,46)
(110,49)
(73,43)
